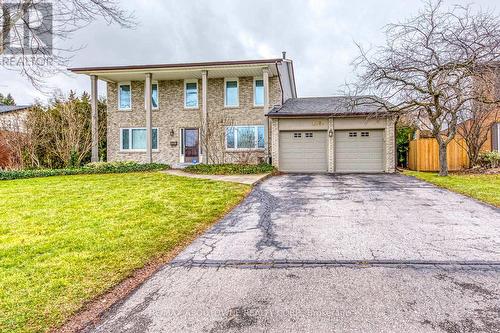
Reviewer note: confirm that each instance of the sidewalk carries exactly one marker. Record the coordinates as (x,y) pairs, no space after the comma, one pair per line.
(242,179)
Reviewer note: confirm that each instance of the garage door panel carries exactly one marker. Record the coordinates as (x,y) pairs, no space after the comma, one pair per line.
(299,153)
(357,153)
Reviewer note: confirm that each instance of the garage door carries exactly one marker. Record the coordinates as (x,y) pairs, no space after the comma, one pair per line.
(303,151)
(359,151)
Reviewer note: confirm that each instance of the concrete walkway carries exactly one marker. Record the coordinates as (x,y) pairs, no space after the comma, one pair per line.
(242,179)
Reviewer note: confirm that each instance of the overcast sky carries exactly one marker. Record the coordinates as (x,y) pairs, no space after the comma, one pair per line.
(318,35)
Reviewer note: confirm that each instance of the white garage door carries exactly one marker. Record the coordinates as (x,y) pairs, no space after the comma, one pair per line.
(359,151)
(303,151)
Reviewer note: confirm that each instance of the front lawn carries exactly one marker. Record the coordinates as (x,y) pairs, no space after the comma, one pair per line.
(66,239)
(482,187)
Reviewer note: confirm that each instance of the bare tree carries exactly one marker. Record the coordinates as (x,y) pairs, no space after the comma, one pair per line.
(33,30)
(476,122)
(214,137)
(431,66)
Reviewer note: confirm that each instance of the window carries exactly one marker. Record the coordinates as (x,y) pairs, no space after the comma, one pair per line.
(245,137)
(297,135)
(231,98)
(495,137)
(258,92)
(124,96)
(365,134)
(353,134)
(191,94)
(135,139)
(154,95)
(309,135)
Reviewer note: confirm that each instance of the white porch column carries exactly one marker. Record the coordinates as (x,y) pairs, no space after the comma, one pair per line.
(204,116)
(149,118)
(95,118)
(265,78)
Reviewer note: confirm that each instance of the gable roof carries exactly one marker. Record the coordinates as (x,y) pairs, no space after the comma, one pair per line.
(326,106)
(9,108)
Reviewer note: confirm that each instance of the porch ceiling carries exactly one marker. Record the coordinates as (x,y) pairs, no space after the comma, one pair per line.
(177,72)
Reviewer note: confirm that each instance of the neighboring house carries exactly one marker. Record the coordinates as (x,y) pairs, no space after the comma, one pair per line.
(13,117)
(12,123)
(236,111)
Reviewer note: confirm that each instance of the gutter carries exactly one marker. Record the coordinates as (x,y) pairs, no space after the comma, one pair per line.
(325,114)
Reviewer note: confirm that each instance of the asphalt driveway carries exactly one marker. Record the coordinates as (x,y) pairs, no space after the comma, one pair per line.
(336,253)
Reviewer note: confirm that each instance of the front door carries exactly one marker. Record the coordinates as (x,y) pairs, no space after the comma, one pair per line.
(191,148)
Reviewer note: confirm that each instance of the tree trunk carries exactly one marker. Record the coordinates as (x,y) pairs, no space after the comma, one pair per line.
(443,163)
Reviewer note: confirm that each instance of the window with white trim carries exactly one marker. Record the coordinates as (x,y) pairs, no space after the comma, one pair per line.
(365,134)
(191,94)
(309,135)
(134,139)
(258,92)
(124,96)
(297,135)
(231,93)
(353,134)
(245,137)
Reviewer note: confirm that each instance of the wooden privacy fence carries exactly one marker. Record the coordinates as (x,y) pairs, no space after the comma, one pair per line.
(423,155)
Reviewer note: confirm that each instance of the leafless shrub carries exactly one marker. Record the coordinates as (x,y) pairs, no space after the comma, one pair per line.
(12,139)
(214,137)
(53,136)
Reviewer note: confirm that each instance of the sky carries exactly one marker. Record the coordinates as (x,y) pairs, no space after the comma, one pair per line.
(320,37)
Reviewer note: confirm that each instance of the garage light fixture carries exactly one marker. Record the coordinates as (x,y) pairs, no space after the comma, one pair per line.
(330,133)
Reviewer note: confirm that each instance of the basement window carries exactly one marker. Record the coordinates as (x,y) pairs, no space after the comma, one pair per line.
(353,134)
(365,134)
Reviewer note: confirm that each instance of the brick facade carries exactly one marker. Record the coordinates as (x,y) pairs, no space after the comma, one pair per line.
(171,116)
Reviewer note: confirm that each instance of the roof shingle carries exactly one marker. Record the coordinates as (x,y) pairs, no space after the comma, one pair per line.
(326,106)
(10,108)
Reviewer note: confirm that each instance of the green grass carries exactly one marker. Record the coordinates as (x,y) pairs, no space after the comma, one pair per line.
(481,187)
(66,239)
(230,169)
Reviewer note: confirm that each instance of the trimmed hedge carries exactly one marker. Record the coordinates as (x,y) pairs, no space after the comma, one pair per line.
(230,169)
(91,168)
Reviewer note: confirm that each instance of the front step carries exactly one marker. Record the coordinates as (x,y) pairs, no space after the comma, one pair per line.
(181,165)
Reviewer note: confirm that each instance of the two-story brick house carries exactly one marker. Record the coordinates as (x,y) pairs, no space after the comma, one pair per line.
(236,111)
